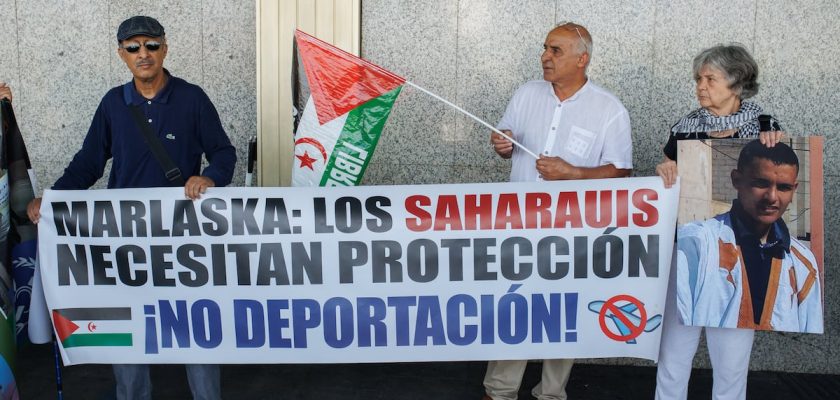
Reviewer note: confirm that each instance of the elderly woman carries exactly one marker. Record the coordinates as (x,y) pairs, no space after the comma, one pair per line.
(725,77)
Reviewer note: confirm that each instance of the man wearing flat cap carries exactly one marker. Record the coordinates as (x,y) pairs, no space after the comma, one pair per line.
(154,129)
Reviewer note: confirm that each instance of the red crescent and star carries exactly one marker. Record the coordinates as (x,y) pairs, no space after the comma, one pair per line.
(306,161)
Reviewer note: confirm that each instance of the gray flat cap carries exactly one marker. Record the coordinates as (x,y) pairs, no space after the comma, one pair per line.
(139,25)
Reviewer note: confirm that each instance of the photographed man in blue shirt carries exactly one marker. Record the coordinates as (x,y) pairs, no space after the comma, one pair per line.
(741,269)
(184,120)
(744,269)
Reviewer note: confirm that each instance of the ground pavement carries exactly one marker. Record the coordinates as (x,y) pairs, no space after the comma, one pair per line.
(402,381)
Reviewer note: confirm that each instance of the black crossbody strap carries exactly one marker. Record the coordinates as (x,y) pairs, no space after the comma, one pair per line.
(173,174)
(767,123)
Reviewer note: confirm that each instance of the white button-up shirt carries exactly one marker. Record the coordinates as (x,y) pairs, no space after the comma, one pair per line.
(589,129)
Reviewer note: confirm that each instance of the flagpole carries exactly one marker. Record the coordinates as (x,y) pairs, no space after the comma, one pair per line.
(492,128)
(252,159)
(58,384)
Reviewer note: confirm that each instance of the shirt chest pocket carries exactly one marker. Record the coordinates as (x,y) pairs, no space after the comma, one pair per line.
(580,142)
(787,291)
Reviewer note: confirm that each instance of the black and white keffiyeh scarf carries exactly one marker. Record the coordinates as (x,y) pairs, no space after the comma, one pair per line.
(745,120)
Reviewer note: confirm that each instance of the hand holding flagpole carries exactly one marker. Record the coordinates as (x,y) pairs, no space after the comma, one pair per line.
(467,113)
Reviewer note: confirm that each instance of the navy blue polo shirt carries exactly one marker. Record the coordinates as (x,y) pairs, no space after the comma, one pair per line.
(182,117)
(758,257)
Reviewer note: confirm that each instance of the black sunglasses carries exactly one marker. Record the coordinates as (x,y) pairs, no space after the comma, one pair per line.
(135,47)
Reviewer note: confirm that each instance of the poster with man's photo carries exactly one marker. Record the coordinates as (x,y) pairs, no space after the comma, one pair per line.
(750,234)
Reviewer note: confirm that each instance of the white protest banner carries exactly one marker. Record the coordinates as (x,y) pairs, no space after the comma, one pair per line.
(359,274)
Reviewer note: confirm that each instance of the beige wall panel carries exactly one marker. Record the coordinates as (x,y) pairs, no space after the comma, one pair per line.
(695,183)
(306,16)
(325,19)
(347,25)
(268,14)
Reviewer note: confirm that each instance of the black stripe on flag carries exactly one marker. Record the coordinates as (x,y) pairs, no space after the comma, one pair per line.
(97,314)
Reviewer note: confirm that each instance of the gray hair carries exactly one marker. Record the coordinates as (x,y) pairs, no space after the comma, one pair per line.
(585,44)
(736,63)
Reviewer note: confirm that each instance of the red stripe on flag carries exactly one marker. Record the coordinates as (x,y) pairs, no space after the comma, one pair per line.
(338,80)
(63,326)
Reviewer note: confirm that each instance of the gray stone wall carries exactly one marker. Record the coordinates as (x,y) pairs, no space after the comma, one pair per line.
(60,57)
(477,52)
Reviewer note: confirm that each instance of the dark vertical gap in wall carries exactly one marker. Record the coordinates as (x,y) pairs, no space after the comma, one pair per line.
(755,28)
(201,33)
(653,57)
(361,31)
(110,64)
(455,115)
(17,47)
(654,36)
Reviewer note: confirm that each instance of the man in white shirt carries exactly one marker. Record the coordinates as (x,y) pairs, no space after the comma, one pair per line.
(580,131)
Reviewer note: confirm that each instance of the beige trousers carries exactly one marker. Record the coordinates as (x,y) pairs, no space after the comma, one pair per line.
(503,378)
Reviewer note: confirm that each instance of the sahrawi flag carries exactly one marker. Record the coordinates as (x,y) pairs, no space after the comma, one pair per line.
(18,244)
(109,326)
(340,126)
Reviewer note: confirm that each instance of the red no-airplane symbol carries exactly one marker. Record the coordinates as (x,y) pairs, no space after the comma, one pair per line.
(610,305)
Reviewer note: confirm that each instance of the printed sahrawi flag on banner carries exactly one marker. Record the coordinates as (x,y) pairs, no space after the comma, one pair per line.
(340,127)
(18,244)
(77,327)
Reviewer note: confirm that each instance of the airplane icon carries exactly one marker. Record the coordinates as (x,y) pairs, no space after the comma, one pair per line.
(630,312)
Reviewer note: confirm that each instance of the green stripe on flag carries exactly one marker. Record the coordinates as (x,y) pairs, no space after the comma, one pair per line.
(8,348)
(98,339)
(358,139)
